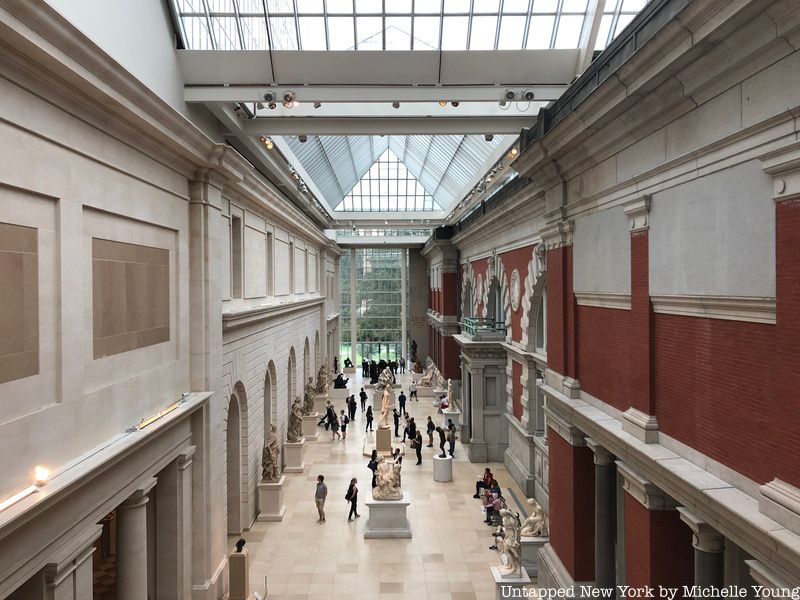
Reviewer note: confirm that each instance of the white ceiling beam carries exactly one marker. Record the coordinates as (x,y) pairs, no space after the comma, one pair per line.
(588,39)
(358,93)
(387,126)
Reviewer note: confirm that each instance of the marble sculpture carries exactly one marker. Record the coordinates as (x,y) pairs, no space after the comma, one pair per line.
(295,431)
(387,477)
(270,465)
(537,524)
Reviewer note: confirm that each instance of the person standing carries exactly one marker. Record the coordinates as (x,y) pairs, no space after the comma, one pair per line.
(369,419)
(418,447)
(412,429)
(335,427)
(325,416)
(440,431)
(363,396)
(402,365)
(451,439)
(430,429)
(352,498)
(412,390)
(401,400)
(345,420)
(396,417)
(372,465)
(320,496)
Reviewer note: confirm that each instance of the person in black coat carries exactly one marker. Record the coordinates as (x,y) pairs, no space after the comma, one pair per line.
(417,443)
(369,419)
(440,431)
(396,417)
(363,395)
(352,498)
(401,400)
(372,465)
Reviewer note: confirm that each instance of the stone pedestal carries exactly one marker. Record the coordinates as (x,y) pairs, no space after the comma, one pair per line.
(454,415)
(506,585)
(387,518)
(349,370)
(339,394)
(270,500)
(320,404)
(530,547)
(310,426)
(383,440)
(239,570)
(424,391)
(293,453)
(442,468)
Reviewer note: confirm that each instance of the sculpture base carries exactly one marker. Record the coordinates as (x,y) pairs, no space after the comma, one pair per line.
(310,426)
(529,551)
(454,415)
(442,468)
(387,518)
(425,391)
(349,370)
(239,573)
(339,393)
(383,440)
(270,500)
(293,453)
(507,584)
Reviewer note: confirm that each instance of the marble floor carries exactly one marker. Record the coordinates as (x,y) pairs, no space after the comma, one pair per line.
(448,557)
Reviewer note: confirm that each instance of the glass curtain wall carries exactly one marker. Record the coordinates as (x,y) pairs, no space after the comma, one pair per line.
(378,304)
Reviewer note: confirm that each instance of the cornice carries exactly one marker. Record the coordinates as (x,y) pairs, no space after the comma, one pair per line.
(729,308)
(526,204)
(638,213)
(604,300)
(236,320)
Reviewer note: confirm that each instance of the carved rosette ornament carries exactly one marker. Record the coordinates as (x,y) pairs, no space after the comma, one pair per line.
(515,287)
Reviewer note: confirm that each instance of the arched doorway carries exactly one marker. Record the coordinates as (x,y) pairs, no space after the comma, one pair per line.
(495,308)
(270,395)
(234,463)
(306,363)
(317,360)
(291,377)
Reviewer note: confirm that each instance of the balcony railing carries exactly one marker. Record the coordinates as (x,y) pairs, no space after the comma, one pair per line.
(478,327)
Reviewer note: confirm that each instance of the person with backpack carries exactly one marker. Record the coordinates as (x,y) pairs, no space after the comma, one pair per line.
(335,427)
(345,422)
(369,419)
(372,465)
(352,497)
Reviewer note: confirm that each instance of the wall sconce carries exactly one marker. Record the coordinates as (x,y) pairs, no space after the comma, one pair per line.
(40,475)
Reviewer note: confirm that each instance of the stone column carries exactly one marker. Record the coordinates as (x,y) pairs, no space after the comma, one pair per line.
(709,551)
(353,324)
(132,546)
(605,515)
(403,302)
(477,443)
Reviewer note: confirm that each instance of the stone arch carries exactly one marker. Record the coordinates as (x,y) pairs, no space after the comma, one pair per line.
(236,460)
(317,358)
(498,286)
(306,363)
(270,399)
(291,378)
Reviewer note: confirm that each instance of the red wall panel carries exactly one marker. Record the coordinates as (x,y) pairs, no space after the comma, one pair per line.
(449,294)
(517,259)
(516,388)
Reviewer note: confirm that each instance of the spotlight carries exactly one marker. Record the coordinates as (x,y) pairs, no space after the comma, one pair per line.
(512,153)
(303,138)
(528,95)
(488,137)
(272,106)
(288,97)
(295,104)
(266,141)
(40,475)
(269,96)
(442,102)
(502,103)
(395,104)
(317,104)
(454,103)
(510,94)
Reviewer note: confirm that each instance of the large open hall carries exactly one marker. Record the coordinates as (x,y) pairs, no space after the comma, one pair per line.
(399,299)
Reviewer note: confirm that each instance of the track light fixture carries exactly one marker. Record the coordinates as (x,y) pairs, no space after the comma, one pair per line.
(272,106)
(267,142)
(302,138)
(455,103)
(442,102)
(395,104)
(260,105)
(269,96)
(317,104)
(512,153)
(528,95)
(510,94)
(488,137)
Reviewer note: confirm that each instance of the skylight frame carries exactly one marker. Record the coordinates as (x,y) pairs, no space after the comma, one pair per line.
(202,35)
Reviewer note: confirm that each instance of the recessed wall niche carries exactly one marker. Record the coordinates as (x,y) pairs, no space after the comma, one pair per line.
(130,296)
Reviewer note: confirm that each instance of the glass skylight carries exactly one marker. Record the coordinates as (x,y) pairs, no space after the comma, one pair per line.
(388,24)
(616,17)
(388,187)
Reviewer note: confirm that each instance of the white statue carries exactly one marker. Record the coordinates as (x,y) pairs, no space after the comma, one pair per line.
(387,402)
(432,377)
(537,524)
(450,394)
(508,543)
(387,478)
(294,433)
(270,465)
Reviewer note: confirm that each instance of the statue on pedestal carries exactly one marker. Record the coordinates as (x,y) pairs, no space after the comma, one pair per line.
(450,393)
(387,478)
(387,401)
(432,377)
(294,433)
(508,543)
(537,524)
(322,381)
(309,395)
(270,465)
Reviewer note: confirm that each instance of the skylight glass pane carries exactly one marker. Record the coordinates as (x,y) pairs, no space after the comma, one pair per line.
(400,6)
(398,33)
(369,6)
(633,5)
(197,34)
(370,33)
(190,6)
(569,31)
(220,6)
(456,6)
(340,6)
(454,33)
(484,30)
(545,6)
(285,7)
(312,33)
(340,33)
(622,23)
(309,6)
(284,35)
(540,31)
(254,31)
(254,7)
(511,31)
(602,32)
(573,6)
(225,33)
(426,33)
(486,6)
(426,8)
(515,6)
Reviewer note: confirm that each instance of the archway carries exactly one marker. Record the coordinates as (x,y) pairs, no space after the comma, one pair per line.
(270,396)
(233,447)
(291,377)
(306,363)
(495,308)
(317,360)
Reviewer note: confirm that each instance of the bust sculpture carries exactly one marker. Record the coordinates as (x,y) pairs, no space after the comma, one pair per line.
(537,524)
(322,381)
(508,543)
(270,465)
(309,394)
(387,479)
(294,433)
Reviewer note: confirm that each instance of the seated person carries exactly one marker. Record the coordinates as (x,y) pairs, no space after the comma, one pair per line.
(443,403)
(483,483)
(340,382)
(494,487)
(492,505)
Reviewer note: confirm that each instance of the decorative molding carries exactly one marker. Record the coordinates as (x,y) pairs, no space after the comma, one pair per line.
(704,537)
(764,576)
(643,490)
(784,166)
(602,456)
(638,211)
(234,320)
(558,235)
(640,425)
(515,290)
(731,308)
(780,501)
(604,300)
(561,425)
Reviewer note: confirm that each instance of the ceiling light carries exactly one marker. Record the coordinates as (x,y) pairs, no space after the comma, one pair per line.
(454,103)
(489,178)
(288,97)
(266,141)
(510,94)
(442,102)
(512,153)
(295,104)
(395,104)
(272,106)
(528,95)
(302,138)
(502,104)
(269,96)
(40,475)
(488,137)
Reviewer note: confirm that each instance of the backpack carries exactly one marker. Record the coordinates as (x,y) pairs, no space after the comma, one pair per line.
(349,493)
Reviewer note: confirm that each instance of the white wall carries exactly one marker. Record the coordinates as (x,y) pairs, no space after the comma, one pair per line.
(602,253)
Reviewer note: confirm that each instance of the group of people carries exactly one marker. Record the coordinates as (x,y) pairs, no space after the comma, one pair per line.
(321,495)
(372,369)
(336,423)
(491,494)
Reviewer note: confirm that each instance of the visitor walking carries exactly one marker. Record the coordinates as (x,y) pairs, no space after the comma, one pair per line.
(320,495)
(402,365)
(344,420)
(369,419)
(352,498)
(440,431)
(363,396)
(324,418)
(335,428)
(401,400)
(430,427)
(396,417)
(351,407)
(372,465)
(412,390)
(417,443)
